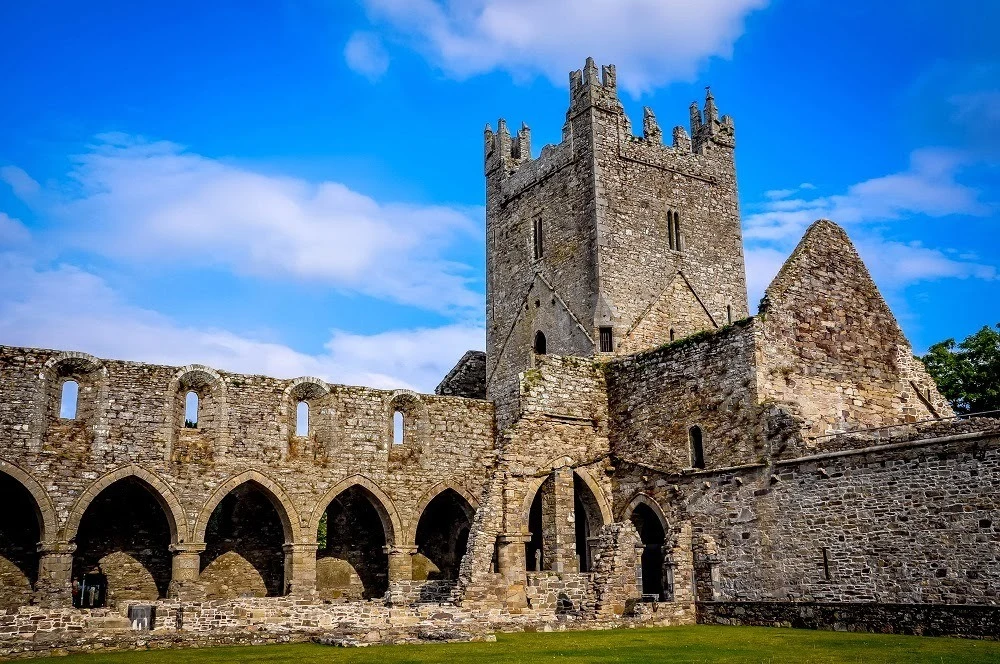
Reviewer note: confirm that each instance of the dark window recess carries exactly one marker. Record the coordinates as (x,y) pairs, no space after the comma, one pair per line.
(540,342)
(677,231)
(670,228)
(607,340)
(826,564)
(539,239)
(697,452)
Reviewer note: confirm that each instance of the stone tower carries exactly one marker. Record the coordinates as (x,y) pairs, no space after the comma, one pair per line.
(608,243)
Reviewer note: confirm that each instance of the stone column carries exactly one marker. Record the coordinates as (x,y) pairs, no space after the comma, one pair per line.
(300,568)
(55,568)
(559,523)
(511,568)
(400,562)
(186,570)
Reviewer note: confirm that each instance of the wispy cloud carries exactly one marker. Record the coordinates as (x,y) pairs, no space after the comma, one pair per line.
(365,54)
(928,188)
(154,202)
(69,308)
(653,42)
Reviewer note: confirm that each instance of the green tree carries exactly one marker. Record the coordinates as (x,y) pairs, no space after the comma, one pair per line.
(968,373)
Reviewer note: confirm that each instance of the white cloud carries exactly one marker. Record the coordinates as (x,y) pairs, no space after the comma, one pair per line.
(156,203)
(65,307)
(653,42)
(928,187)
(20,182)
(365,54)
(12,231)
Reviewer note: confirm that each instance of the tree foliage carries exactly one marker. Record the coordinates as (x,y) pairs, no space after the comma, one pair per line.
(968,373)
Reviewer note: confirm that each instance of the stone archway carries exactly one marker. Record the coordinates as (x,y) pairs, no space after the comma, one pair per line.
(22,527)
(647,517)
(441,535)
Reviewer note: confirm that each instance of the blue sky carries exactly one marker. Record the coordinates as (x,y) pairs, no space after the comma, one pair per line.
(295,187)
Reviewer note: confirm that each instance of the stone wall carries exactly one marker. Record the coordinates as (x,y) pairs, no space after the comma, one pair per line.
(130,430)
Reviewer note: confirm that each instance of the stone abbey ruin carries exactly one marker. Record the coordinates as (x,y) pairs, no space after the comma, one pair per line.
(632,446)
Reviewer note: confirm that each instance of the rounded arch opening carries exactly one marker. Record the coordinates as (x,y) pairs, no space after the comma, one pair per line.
(353,533)
(652,533)
(244,544)
(20,532)
(122,546)
(540,345)
(442,535)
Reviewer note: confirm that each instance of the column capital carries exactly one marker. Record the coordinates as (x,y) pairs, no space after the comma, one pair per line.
(56,548)
(514,538)
(293,547)
(399,549)
(187,547)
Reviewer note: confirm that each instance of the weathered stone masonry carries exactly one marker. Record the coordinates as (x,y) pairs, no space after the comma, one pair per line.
(631,446)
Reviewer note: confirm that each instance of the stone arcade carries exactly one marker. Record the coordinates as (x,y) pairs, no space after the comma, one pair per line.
(631,447)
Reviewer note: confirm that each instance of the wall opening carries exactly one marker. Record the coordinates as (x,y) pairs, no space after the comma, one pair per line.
(538,239)
(729,313)
(244,540)
(652,534)
(191,410)
(442,535)
(302,419)
(697,450)
(540,345)
(826,564)
(677,231)
(670,228)
(68,400)
(20,532)
(398,428)
(672,334)
(122,547)
(606,339)
(588,521)
(534,555)
(351,560)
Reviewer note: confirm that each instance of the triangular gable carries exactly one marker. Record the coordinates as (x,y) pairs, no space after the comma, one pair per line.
(678,308)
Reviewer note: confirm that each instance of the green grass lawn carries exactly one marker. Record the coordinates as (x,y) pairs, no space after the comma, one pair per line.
(665,644)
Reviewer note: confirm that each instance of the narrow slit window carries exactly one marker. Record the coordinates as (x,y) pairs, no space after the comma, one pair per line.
(729,313)
(672,334)
(538,239)
(191,410)
(397,428)
(670,228)
(540,346)
(697,451)
(607,340)
(67,402)
(677,231)
(826,564)
(302,419)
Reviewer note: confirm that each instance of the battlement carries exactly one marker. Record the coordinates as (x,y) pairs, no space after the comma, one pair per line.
(501,151)
(707,129)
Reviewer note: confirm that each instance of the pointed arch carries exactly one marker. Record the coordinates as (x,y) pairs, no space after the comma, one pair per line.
(471,502)
(160,490)
(602,502)
(648,501)
(391,523)
(48,523)
(275,493)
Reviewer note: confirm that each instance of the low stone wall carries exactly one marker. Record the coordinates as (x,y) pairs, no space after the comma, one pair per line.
(965,620)
(37,632)
(566,593)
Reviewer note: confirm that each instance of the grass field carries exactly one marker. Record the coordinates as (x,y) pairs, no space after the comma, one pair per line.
(667,644)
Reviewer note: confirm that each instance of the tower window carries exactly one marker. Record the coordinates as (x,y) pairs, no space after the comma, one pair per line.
(672,334)
(697,452)
(729,313)
(826,564)
(677,231)
(539,240)
(397,428)
(540,343)
(302,419)
(67,403)
(607,340)
(191,410)
(670,228)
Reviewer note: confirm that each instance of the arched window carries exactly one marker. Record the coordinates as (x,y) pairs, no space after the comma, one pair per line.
(540,342)
(397,428)
(67,404)
(538,239)
(302,419)
(697,451)
(191,410)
